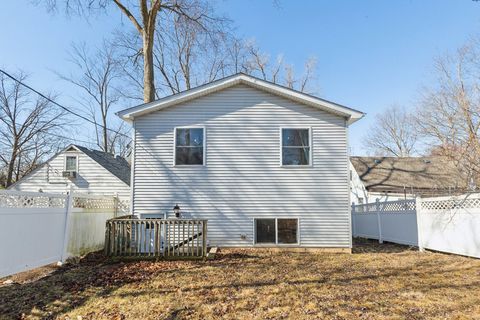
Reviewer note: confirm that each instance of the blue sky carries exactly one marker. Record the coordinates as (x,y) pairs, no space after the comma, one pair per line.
(371,54)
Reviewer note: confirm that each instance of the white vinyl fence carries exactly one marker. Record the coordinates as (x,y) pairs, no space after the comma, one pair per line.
(447,224)
(43,228)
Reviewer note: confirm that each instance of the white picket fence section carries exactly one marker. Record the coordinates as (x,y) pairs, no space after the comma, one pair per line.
(447,224)
(43,228)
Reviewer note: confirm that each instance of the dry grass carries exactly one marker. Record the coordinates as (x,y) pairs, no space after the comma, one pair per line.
(376,282)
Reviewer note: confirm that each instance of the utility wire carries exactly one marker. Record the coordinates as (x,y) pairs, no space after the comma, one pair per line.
(68,138)
(59,105)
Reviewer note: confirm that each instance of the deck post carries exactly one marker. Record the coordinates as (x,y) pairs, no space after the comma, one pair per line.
(107,239)
(204,239)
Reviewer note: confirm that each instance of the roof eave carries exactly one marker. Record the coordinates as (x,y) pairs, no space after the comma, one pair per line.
(130,114)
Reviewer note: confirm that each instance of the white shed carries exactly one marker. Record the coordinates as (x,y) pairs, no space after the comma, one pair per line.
(266,165)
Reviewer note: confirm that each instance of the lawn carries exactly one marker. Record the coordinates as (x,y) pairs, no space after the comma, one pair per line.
(375,282)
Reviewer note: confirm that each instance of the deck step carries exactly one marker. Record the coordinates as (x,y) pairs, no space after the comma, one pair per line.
(211,253)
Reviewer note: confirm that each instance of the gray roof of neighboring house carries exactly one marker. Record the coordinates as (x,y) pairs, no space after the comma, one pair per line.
(116,165)
(422,175)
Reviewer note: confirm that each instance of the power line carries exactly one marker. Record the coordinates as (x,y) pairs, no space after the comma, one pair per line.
(68,138)
(59,105)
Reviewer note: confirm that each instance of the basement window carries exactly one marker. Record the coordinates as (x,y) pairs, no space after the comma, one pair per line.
(295,147)
(276,231)
(189,146)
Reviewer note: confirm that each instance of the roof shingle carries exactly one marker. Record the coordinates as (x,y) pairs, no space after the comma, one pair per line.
(422,175)
(116,165)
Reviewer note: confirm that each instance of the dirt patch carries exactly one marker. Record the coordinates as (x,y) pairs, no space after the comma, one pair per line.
(29,276)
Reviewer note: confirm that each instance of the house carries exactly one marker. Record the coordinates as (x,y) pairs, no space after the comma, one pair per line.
(393,178)
(266,165)
(83,169)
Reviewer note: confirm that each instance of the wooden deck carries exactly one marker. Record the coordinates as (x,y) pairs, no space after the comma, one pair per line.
(128,236)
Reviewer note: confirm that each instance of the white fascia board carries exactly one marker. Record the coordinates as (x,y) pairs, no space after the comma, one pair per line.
(351,115)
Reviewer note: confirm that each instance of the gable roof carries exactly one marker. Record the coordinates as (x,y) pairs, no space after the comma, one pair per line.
(116,165)
(417,175)
(350,114)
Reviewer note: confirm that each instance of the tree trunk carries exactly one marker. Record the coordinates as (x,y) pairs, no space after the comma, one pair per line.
(11,166)
(105,134)
(148,76)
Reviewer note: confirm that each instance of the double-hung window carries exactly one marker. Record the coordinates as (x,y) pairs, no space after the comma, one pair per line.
(189,146)
(71,163)
(296,150)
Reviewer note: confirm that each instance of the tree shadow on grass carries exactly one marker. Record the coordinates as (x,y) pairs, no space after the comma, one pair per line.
(72,285)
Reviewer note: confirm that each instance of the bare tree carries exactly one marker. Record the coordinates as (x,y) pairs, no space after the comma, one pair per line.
(449,114)
(143,15)
(27,123)
(99,76)
(392,134)
(258,63)
(186,55)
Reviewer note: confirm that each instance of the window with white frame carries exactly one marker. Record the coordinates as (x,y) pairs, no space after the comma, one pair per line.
(71,163)
(295,147)
(189,146)
(276,231)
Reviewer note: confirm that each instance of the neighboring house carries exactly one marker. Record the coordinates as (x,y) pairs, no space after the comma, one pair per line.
(266,165)
(392,178)
(86,170)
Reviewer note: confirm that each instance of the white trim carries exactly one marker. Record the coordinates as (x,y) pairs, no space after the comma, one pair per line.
(310,146)
(204,146)
(132,171)
(351,115)
(275,244)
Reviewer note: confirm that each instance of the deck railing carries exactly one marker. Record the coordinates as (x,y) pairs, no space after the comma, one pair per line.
(172,238)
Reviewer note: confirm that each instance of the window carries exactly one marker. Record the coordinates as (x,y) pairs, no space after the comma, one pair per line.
(287,230)
(295,147)
(71,163)
(276,231)
(189,146)
(265,230)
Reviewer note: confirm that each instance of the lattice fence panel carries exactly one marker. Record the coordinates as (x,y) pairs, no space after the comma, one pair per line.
(397,206)
(386,207)
(93,203)
(31,201)
(452,203)
(123,206)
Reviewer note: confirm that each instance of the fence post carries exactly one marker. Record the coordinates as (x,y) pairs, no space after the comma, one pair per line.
(66,230)
(115,205)
(379,218)
(418,216)
(353,220)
